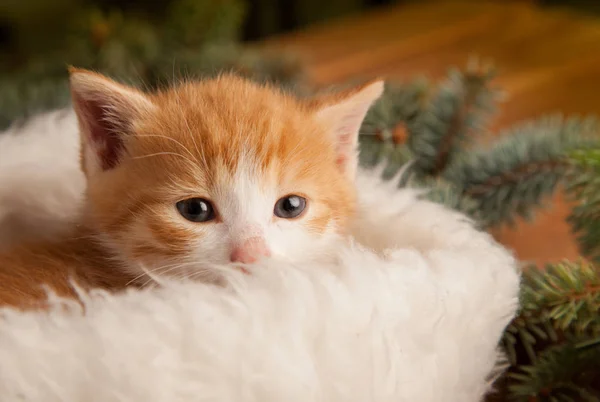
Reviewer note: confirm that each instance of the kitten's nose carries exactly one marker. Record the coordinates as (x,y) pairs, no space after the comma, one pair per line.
(250,251)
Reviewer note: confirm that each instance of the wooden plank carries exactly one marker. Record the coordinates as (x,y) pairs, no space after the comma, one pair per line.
(549,61)
(331,42)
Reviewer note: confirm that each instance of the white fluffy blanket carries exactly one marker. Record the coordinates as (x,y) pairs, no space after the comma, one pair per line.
(40,179)
(412,312)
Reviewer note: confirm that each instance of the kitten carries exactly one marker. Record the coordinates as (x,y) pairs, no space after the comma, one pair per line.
(203,174)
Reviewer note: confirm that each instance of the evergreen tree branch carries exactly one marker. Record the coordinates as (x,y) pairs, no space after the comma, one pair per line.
(563,373)
(554,340)
(443,192)
(400,104)
(528,162)
(583,188)
(374,151)
(450,120)
(566,294)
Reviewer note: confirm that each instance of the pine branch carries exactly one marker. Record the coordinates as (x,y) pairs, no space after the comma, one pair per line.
(564,373)
(528,162)
(383,134)
(399,105)
(554,340)
(567,294)
(583,188)
(443,192)
(374,151)
(460,107)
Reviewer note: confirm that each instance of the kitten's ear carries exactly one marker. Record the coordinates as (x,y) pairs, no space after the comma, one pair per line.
(106,111)
(343,116)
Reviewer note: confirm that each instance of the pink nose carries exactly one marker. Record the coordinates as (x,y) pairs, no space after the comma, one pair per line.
(250,251)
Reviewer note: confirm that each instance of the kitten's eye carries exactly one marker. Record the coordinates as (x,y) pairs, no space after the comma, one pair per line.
(290,206)
(196,210)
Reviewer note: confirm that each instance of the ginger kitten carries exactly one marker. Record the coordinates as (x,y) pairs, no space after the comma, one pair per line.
(196,176)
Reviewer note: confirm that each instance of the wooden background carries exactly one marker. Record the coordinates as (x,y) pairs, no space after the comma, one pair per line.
(549,61)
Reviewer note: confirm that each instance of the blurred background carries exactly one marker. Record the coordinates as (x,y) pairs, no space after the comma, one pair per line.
(30,24)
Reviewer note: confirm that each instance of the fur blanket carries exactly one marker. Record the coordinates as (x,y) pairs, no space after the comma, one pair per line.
(40,179)
(411,311)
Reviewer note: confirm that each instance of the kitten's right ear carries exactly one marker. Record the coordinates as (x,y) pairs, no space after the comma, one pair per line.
(343,114)
(106,111)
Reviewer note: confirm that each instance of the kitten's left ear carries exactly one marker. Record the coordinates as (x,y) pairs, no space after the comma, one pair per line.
(343,116)
(106,111)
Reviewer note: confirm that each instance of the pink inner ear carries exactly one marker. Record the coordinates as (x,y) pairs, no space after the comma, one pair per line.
(344,148)
(346,141)
(345,119)
(103,133)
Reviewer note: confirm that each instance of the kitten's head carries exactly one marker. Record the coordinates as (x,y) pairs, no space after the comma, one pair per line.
(217,171)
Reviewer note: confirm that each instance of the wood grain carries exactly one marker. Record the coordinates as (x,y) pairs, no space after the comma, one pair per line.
(549,61)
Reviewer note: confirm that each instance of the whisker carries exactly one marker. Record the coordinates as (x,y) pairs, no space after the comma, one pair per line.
(167,153)
(170,139)
(197,274)
(163,269)
(149,272)
(145,272)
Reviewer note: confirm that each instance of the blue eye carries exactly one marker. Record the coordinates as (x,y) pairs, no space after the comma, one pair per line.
(290,206)
(196,210)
